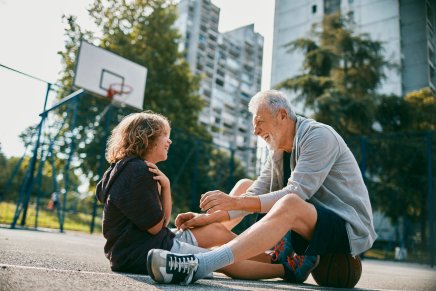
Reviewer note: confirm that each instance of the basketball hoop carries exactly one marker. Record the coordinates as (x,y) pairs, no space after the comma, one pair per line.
(119,89)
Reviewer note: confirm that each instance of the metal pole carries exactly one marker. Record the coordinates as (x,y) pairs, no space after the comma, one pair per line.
(101,163)
(194,200)
(431,245)
(363,156)
(39,184)
(67,165)
(29,184)
(232,169)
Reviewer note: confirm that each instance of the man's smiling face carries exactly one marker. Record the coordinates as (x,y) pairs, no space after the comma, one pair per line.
(266,125)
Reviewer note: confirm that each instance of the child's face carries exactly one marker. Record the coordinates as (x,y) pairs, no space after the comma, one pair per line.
(159,150)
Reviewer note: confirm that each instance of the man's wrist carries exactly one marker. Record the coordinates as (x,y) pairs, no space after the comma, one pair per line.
(248,203)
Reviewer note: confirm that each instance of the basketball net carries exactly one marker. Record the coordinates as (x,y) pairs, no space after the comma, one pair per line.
(113,90)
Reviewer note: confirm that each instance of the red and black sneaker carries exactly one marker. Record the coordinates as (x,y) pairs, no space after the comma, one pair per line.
(298,268)
(282,250)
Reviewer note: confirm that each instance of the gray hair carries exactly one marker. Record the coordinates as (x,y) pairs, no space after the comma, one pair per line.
(273,100)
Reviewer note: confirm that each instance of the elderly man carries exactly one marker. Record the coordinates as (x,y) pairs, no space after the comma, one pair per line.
(324,205)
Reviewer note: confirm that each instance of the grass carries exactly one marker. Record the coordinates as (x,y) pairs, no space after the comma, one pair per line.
(48,218)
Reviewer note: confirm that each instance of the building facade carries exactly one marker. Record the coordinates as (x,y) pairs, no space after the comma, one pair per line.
(230,66)
(405,27)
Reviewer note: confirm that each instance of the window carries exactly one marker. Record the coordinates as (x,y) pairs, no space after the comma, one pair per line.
(313,9)
(430,15)
(219,82)
(331,6)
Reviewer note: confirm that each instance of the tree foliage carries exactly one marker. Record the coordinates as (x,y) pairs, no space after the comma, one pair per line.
(143,32)
(341,73)
(399,156)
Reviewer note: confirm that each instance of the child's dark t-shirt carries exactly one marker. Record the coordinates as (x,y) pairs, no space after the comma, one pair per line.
(131,206)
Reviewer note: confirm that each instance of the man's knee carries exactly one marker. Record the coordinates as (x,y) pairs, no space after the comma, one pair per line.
(291,205)
(241,187)
(299,214)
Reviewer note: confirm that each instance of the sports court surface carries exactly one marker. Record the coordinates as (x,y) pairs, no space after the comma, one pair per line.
(43,260)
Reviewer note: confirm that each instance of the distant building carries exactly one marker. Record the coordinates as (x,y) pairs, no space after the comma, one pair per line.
(230,65)
(406,28)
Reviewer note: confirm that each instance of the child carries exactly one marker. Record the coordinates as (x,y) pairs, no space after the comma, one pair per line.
(137,197)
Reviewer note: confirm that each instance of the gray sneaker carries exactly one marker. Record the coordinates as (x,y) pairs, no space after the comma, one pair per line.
(166,267)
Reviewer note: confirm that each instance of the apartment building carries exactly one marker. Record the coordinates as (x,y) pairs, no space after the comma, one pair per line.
(405,27)
(230,65)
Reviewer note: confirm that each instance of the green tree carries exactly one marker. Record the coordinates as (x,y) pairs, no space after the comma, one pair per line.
(401,180)
(341,73)
(143,32)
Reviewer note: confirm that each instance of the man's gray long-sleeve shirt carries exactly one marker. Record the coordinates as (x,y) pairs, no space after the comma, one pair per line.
(323,172)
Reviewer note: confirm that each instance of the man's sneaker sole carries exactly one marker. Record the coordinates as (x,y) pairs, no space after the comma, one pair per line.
(313,268)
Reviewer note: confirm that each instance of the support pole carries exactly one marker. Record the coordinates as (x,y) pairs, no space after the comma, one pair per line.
(363,156)
(29,182)
(230,181)
(101,163)
(24,197)
(194,200)
(67,165)
(29,185)
(431,244)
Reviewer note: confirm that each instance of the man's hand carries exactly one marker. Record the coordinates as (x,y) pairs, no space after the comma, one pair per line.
(213,201)
(191,219)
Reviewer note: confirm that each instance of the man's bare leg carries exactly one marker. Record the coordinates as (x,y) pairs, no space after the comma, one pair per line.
(289,213)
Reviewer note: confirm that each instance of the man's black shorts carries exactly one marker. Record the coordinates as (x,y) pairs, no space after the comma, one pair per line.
(330,236)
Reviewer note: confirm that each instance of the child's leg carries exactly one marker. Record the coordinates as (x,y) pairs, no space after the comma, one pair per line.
(212,235)
(216,234)
(262,258)
(251,270)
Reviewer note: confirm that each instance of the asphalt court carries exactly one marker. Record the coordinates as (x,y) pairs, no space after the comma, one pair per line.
(44,260)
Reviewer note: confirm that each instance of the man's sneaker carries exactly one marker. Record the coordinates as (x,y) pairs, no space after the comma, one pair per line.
(298,268)
(166,267)
(282,250)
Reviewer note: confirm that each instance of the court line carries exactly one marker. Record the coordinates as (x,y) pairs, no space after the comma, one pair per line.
(75,271)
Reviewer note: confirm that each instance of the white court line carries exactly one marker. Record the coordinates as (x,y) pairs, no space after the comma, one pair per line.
(76,271)
(219,284)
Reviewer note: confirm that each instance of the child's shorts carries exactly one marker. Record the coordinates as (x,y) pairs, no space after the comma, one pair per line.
(185,242)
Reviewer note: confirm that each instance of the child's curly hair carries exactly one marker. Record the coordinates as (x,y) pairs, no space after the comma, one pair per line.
(134,134)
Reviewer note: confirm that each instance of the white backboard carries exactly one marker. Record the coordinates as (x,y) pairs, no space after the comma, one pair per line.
(98,70)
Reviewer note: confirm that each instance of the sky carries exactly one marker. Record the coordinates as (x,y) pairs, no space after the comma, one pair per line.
(32,32)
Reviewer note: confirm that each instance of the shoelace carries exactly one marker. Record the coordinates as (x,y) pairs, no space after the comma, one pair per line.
(186,265)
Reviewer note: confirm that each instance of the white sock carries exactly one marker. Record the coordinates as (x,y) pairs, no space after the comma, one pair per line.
(213,260)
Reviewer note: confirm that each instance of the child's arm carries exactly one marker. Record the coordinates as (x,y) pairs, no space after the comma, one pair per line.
(165,192)
(167,204)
